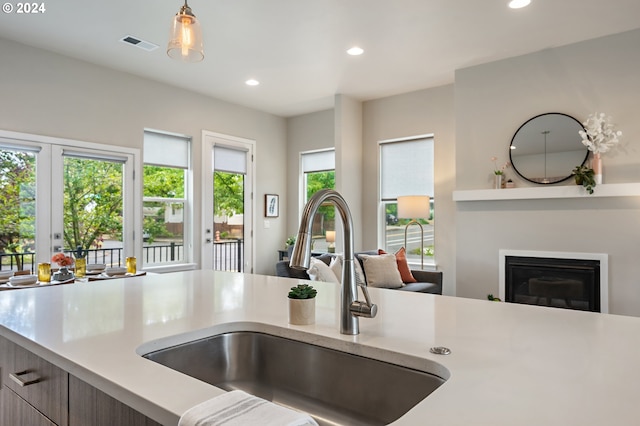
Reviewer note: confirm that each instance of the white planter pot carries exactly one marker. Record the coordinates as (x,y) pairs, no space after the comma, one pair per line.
(302,311)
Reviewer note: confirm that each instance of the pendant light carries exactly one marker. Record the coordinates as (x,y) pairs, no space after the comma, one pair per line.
(185,42)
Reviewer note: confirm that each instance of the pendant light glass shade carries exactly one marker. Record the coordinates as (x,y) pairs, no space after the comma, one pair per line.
(185,41)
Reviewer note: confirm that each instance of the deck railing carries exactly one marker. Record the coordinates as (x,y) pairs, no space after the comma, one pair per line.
(227,256)
(109,256)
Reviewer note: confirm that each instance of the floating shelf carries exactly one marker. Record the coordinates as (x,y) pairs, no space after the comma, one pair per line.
(546,192)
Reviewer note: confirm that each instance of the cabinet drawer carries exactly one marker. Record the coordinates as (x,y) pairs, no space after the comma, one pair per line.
(16,411)
(38,382)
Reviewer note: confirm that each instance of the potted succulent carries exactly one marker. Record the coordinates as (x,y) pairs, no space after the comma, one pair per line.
(302,305)
(584,176)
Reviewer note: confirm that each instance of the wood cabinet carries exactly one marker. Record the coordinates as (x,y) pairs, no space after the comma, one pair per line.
(90,406)
(16,411)
(36,381)
(35,392)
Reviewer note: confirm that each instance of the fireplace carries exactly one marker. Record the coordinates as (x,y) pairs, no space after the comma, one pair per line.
(556,279)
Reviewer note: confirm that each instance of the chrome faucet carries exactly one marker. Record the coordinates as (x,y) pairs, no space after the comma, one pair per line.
(350,307)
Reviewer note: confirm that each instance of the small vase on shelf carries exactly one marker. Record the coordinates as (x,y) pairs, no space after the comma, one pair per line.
(497,183)
(596,165)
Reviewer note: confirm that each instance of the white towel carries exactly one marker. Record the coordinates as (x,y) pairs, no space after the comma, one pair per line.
(238,408)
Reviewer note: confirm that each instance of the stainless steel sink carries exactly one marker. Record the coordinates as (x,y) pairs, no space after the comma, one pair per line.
(336,388)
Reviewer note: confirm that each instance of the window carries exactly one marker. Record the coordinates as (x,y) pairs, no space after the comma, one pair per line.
(165,199)
(406,168)
(318,172)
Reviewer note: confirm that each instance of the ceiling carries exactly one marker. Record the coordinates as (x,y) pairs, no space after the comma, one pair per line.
(296,48)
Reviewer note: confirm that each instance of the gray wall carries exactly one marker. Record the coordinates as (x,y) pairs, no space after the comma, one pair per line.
(348,139)
(491,102)
(53,95)
(411,114)
(304,133)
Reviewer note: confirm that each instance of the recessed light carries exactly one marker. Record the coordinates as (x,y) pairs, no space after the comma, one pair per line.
(517,4)
(355,51)
(252,82)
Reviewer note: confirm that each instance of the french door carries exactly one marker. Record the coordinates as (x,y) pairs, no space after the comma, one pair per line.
(227,203)
(65,195)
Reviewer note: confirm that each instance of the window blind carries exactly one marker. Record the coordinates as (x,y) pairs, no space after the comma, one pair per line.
(163,149)
(229,160)
(318,161)
(406,168)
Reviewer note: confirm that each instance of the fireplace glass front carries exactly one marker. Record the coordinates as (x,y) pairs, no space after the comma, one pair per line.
(560,283)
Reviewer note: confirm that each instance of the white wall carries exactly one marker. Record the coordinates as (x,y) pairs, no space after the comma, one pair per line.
(491,102)
(53,95)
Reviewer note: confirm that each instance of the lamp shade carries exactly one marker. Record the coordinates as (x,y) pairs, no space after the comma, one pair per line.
(185,40)
(330,236)
(413,207)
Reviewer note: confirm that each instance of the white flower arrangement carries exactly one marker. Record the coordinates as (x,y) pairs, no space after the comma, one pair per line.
(600,136)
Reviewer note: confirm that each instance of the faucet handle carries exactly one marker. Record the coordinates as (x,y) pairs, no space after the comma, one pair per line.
(362,309)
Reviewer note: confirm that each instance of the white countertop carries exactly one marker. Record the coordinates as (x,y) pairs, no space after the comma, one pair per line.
(510,364)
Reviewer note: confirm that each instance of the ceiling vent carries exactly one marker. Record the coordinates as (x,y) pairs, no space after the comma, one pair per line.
(134,41)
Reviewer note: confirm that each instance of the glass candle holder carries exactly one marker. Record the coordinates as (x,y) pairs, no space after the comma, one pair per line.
(81,267)
(44,272)
(131,265)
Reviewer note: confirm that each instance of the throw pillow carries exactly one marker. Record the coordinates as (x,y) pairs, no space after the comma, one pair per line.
(382,271)
(403,265)
(337,269)
(320,271)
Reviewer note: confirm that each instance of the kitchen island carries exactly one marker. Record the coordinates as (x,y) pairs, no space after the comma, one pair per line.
(509,364)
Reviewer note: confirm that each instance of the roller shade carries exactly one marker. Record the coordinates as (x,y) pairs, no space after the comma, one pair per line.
(406,168)
(163,149)
(229,160)
(318,161)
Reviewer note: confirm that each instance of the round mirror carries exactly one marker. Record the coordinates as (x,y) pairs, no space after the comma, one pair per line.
(546,148)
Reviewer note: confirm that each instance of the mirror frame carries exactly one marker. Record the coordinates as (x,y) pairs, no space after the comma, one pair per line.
(530,179)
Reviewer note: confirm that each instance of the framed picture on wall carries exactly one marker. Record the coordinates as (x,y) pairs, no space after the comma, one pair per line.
(271,205)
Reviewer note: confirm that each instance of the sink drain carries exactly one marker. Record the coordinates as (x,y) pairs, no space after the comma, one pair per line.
(440,350)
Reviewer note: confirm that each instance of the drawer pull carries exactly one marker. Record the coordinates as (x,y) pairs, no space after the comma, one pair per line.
(23,382)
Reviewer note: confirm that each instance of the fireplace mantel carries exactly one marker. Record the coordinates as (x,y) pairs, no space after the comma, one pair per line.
(548,192)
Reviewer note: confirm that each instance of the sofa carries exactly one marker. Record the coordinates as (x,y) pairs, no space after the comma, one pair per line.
(427,281)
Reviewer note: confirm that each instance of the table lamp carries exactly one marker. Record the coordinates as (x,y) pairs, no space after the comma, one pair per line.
(330,236)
